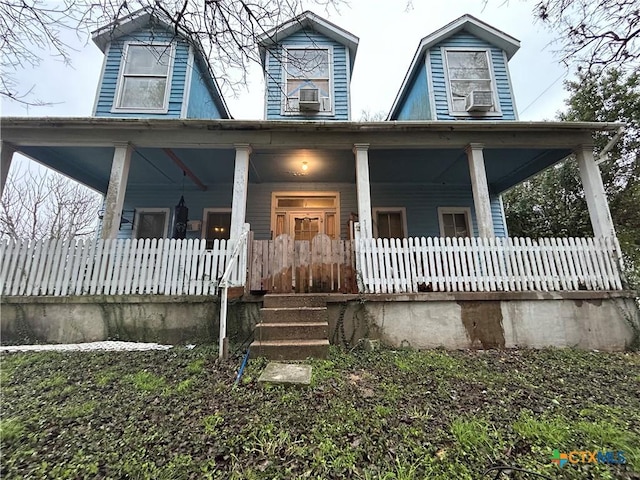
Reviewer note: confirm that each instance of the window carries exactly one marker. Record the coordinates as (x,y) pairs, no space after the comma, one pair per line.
(217,225)
(469,71)
(151,223)
(455,222)
(390,222)
(308,80)
(144,80)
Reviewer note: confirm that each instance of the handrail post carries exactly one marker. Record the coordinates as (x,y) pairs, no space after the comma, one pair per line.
(224,286)
(222,341)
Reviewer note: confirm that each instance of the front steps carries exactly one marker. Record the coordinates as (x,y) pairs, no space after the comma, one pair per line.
(292,327)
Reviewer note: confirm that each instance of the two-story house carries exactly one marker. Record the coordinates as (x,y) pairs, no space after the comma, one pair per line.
(404,214)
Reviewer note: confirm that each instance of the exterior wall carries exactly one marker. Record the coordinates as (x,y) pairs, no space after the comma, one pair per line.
(501,77)
(109,81)
(196,200)
(201,103)
(275,81)
(259,203)
(585,320)
(422,201)
(416,104)
(141,318)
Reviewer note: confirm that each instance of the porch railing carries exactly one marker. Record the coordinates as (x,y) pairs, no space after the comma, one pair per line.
(486,264)
(114,267)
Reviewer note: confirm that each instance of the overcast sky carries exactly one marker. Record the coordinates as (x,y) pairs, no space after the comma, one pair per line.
(389,35)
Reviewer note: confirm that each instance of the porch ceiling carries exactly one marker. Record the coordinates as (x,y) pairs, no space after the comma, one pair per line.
(399,152)
(153,167)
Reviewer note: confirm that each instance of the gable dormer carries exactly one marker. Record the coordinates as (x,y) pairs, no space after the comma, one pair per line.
(150,71)
(307,64)
(459,72)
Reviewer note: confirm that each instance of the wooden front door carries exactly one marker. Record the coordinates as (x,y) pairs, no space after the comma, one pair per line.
(286,265)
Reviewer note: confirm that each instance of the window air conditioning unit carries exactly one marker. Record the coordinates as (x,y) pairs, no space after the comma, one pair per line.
(480,101)
(309,100)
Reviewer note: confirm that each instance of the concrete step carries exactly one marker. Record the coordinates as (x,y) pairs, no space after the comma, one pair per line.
(293,314)
(290,349)
(294,300)
(292,331)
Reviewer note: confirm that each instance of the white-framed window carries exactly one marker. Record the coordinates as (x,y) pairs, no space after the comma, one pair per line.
(151,223)
(144,81)
(471,88)
(216,224)
(308,86)
(455,221)
(390,222)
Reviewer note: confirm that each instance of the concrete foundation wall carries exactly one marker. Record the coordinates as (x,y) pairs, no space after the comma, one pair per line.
(588,320)
(463,321)
(162,319)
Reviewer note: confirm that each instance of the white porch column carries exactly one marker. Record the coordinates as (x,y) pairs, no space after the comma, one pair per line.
(240,182)
(480,189)
(363,188)
(594,193)
(6,153)
(114,200)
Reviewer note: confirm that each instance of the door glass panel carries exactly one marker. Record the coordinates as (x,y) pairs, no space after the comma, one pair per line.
(306,228)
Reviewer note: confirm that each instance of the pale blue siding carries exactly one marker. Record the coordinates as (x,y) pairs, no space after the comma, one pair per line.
(416,104)
(201,103)
(163,197)
(275,82)
(259,203)
(466,40)
(109,81)
(421,202)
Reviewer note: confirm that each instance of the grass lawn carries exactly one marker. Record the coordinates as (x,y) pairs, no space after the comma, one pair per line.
(387,414)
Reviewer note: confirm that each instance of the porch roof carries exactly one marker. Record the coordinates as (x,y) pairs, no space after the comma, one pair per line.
(399,152)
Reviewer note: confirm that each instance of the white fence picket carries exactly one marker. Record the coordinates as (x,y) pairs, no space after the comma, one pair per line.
(57,267)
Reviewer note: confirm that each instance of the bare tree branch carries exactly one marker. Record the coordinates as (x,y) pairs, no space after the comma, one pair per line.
(39,204)
(226,29)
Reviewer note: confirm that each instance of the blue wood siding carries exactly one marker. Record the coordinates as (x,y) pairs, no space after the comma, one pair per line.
(275,82)
(162,197)
(466,40)
(416,104)
(259,203)
(109,81)
(201,102)
(421,202)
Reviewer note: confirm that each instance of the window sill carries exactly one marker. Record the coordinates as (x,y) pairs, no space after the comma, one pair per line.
(475,114)
(140,110)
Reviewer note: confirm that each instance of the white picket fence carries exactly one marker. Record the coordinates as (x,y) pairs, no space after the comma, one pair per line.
(486,264)
(115,267)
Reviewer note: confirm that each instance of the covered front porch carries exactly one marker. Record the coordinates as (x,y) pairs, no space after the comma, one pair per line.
(390,207)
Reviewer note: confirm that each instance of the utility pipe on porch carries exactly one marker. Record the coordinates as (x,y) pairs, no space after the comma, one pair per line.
(114,200)
(6,153)
(240,182)
(480,188)
(363,187)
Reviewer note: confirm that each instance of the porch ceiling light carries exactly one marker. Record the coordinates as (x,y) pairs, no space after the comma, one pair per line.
(305,166)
